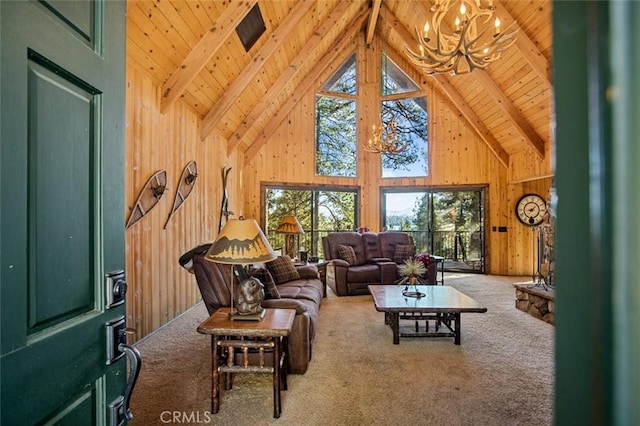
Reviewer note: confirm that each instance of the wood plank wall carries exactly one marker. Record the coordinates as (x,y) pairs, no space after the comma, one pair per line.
(458,157)
(158,288)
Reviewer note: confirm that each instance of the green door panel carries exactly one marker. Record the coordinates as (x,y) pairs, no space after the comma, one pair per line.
(62,196)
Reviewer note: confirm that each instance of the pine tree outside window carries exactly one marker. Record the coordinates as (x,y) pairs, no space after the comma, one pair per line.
(410,114)
(336,136)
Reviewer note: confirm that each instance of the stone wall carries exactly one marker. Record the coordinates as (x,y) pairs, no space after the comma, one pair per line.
(536,301)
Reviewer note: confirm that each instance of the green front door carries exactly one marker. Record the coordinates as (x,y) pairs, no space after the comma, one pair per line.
(62,70)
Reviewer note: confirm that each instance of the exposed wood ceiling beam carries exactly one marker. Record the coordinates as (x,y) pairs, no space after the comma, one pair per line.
(277,37)
(373,19)
(306,84)
(202,52)
(390,20)
(527,47)
(261,109)
(476,122)
(519,122)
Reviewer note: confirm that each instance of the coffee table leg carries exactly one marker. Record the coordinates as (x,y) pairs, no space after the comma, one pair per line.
(457,328)
(395,327)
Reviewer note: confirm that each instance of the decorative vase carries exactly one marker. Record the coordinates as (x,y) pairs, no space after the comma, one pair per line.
(407,292)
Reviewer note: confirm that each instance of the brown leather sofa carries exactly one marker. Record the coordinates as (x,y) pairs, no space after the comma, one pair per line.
(304,294)
(375,260)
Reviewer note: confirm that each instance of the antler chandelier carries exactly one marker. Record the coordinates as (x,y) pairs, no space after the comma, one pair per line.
(468,44)
(384,139)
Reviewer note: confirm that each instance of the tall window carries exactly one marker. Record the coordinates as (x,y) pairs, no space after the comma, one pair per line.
(410,114)
(336,123)
(319,211)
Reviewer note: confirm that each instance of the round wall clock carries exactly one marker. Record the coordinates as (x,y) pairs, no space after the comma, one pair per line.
(531,209)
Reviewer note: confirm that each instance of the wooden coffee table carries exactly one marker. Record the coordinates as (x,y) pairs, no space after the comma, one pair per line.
(442,304)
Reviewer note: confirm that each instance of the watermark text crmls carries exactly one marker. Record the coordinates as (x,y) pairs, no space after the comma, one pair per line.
(185,417)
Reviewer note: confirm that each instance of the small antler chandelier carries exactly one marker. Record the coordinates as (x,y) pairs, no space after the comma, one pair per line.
(468,44)
(384,139)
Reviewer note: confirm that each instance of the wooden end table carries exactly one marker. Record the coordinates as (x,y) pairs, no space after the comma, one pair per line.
(228,336)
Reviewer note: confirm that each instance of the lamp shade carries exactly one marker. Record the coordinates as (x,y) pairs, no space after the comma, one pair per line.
(240,242)
(289,225)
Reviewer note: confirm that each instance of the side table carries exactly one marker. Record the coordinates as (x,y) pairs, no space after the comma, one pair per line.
(322,271)
(439,261)
(269,335)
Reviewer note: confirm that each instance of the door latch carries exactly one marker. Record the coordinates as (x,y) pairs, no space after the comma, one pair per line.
(116,289)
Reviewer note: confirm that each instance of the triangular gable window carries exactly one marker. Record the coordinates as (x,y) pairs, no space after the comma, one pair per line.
(394,80)
(344,79)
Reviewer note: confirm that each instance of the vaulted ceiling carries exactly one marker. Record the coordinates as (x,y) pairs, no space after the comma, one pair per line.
(191,50)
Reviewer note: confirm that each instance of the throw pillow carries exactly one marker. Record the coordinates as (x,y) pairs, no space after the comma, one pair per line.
(347,253)
(270,289)
(283,269)
(403,252)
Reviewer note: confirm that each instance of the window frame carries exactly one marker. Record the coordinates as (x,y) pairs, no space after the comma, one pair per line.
(315,239)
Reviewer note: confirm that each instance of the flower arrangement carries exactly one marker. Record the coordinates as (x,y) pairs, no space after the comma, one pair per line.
(425,259)
(411,271)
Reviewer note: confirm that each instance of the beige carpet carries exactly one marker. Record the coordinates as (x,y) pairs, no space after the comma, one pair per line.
(502,374)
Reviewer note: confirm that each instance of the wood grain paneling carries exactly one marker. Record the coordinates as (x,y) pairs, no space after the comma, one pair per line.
(159,289)
(458,157)
(267,133)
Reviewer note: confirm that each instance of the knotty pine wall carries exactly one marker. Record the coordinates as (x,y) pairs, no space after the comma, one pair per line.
(159,289)
(458,157)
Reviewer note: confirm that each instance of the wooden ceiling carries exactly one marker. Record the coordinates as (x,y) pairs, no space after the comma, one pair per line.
(191,50)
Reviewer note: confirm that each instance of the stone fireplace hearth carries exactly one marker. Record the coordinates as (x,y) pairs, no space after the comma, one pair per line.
(536,301)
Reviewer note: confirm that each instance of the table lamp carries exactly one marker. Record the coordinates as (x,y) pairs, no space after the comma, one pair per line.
(242,242)
(289,225)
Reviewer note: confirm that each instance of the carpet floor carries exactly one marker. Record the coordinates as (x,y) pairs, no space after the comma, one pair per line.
(501,374)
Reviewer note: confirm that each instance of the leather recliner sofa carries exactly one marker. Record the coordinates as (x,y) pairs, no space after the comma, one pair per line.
(374,260)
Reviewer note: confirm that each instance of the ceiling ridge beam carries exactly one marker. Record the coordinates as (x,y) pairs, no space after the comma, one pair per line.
(294,67)
(270,47)
(306,84)
(390,20)
(203,51)
(373,19)
(520,123)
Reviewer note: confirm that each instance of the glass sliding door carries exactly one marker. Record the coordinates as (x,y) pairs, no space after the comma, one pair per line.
(319,211)
(444,222)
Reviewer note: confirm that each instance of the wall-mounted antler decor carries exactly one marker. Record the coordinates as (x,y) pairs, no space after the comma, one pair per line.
(149,196)
(185,186)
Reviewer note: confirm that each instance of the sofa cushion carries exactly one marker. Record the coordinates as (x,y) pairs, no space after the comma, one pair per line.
(270,288)
(303,289)
(368,273)
(347,253)
(403,252)
(282,269)
(308,271)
